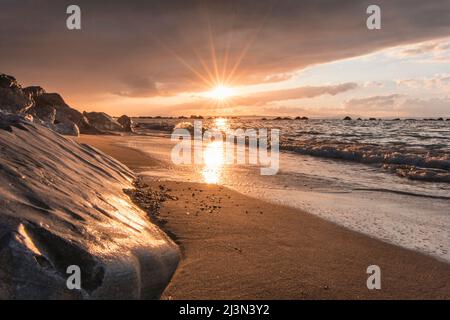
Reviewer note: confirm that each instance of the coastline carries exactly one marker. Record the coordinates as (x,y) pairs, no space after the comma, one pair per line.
(237,247)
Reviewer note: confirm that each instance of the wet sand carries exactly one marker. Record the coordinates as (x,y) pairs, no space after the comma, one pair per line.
(236,247)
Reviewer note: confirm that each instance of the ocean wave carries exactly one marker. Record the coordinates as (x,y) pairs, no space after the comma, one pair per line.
(412,164)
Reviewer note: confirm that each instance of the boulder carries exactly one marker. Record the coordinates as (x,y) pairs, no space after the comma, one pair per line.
(12,98)
(67,129)
(63,205)
(34,91)
(102,121)
(126,123)
(45,102)
(8,82)
(347,118)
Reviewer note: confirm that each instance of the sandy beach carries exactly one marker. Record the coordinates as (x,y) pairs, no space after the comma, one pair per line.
(236,247)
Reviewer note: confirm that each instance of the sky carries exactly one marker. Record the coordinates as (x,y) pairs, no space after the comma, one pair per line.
(311,58)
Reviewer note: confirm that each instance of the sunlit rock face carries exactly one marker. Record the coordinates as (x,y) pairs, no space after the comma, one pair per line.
(62,204)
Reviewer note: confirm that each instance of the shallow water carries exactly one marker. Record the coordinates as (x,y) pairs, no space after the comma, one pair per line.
(410,213)
(414,149)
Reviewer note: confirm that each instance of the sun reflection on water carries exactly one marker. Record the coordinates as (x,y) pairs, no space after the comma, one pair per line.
(214,154)
(214,160)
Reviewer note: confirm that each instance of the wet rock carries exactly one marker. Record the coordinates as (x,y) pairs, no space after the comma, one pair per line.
(126,123)
(347,118)
(57,211)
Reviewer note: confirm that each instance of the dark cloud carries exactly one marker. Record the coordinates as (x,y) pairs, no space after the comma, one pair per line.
(171,46)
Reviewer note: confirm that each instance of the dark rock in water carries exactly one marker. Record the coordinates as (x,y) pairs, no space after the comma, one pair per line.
(278,118)
(448,119)
(62,204)
(102,121)
(347,118)
(372,119)
(126,123)
(359,119)
(440,119)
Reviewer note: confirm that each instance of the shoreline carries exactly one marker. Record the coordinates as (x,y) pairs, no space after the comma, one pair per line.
(237,247)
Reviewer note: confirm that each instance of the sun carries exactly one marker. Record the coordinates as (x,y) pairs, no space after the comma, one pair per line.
(221,93)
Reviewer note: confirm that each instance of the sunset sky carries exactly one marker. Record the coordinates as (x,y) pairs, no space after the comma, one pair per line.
(314,58)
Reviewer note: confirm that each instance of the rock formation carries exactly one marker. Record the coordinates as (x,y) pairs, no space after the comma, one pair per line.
(62,205)
(126,123)
(50,110)
(102,121)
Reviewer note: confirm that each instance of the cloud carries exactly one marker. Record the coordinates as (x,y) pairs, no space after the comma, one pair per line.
(398,105)
(263,98)
(435,107)
(380,103)
(373,84)
(171,43)
(438,81)
(136,86)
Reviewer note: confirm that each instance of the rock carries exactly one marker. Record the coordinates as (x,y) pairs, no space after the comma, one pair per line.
(67,129)
(12,98)
(62,204)
(126,123)
(34,91)
(44,103)
(347,118)
(8,82)
(301,118)
(102,121)
(46,113)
